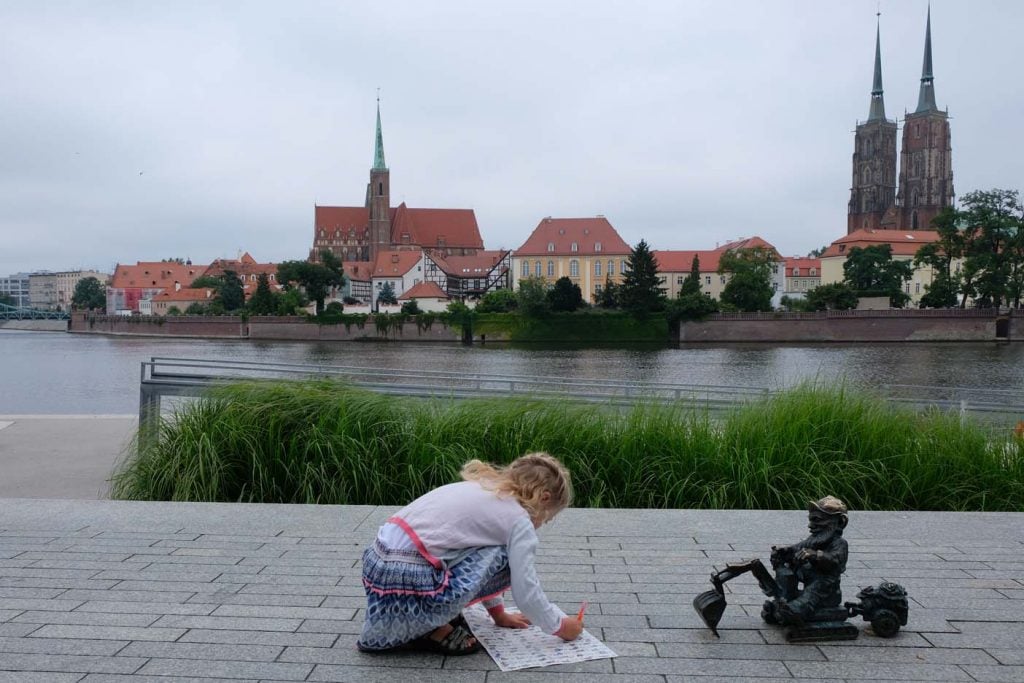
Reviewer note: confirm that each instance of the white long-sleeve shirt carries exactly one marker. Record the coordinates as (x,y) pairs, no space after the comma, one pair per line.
(448,522)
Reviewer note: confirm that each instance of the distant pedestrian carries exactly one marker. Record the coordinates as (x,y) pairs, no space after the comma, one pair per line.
(461,544)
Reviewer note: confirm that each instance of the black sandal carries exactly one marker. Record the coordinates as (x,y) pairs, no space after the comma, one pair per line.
(452,645)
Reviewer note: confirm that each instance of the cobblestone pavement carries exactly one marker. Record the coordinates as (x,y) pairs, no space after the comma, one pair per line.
(118,592)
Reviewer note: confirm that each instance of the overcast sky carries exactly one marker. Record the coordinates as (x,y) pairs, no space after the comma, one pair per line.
(146,130)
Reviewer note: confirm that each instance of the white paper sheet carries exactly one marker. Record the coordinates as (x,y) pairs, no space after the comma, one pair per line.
(523,648)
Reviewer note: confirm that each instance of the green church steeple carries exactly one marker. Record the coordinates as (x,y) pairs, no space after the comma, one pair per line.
(877,111)
(378,154)
(926,98)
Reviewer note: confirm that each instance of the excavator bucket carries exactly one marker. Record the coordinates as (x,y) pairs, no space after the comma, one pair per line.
(710,606)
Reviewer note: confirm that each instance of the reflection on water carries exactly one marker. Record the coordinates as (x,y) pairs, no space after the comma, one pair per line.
(52,372)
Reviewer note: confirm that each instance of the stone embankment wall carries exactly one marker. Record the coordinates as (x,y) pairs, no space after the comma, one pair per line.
(35,325)
(855,326)
(256,327)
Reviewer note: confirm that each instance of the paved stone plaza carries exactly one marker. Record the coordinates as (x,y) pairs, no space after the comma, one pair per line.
(119,592)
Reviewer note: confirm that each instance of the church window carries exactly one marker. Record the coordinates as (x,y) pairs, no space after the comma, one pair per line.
(551,268)
(917,130)
(526,269)
(574,268)
(380,189)
(867,147)
(551,246)
(866,176)
(536,268)
(575,247)
(915,198)
(597,269)
(913,221)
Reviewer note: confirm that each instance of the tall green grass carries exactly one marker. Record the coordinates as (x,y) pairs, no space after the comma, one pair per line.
(324,442)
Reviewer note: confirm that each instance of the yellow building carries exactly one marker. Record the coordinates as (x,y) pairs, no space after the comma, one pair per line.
(904,243)
(588,251)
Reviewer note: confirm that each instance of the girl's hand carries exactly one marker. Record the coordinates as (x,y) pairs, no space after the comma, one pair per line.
(511,620)
(571,628)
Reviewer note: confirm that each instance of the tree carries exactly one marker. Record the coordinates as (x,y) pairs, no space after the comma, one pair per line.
(290,302)
(532,297)
(871,271)
(691,285)
(231,292)
(993,269)
(837,296)
(816,253)
(173,310)
(939,256)
(750,278)
(640,292)
(206,282)
(195,308)
(386,295)
(263,301)
(609,296)
(497,301)
(565,295)
(691,307)
(411,307)
(89,294)
(316,278)
(180,261)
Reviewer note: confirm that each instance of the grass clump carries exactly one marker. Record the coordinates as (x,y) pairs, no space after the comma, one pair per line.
(325,442)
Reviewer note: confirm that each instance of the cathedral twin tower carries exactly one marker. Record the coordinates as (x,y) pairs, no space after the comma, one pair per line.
(926,170)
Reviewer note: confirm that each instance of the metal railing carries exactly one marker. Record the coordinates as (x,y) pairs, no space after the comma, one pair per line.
(1000,405)
(8,312)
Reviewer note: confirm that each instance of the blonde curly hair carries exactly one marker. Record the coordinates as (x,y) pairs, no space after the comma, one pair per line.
(527,479)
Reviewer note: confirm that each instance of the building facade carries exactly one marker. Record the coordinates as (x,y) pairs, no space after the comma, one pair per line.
(589,251)
(675,266)
(904,245)
(925,181)
(802,275)
(16,286)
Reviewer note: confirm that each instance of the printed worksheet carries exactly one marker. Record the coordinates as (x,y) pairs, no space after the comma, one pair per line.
(522,648)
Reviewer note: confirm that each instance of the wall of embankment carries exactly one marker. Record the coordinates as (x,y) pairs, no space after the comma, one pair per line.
(256,327)
(35,325)
(911,325)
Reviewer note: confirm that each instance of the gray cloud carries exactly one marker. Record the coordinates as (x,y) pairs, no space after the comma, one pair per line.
(139,131)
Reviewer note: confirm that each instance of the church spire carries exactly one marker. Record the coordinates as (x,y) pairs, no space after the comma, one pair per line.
(926,100)
(378,154)
(877,111)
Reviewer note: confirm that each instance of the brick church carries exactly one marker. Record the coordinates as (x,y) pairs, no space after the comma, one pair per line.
(926,165)
(359,234)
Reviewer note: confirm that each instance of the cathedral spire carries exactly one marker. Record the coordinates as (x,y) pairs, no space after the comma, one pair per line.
(926,100)
(378,154)
(877,111)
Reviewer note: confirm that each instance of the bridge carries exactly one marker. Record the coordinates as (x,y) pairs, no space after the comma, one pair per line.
(15,313)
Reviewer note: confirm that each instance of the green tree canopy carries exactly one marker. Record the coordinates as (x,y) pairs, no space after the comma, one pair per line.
(609,296)
(691,285)
(264,300)
(206,282)
(750,278)
(411,307)
(231,292)
(386,295)
(993,236)
(837,296)
(872,271)
(498,301)
(640,292)
(532,297)
(316,278)
(565,295)
(90,294)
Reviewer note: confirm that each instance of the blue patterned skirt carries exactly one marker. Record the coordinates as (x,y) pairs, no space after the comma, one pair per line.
(407,596)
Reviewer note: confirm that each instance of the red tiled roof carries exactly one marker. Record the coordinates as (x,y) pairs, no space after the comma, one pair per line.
(903,242)
(440,228)
(747,243)
(185,294)
(243,267)
(332,218)
(358,270)
(395,263)
(482,263)
(681,261)
(154,275)
(804,264)
(425,290)
(561,233)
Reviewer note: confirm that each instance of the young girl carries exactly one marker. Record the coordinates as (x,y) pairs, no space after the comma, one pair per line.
(461,544)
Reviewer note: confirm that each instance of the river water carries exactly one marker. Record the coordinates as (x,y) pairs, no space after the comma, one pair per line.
(60,373)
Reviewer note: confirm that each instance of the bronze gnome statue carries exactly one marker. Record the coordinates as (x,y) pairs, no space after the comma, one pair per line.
(805,593)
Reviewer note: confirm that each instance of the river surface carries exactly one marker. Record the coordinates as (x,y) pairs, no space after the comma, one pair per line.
(60,373)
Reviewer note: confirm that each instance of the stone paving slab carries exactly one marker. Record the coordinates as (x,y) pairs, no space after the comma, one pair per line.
(124,592)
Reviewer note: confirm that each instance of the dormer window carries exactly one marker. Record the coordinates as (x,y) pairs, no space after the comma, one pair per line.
(796,272)
(842,248)
(575,247)
(597,246)
(551,246)
(814,271)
